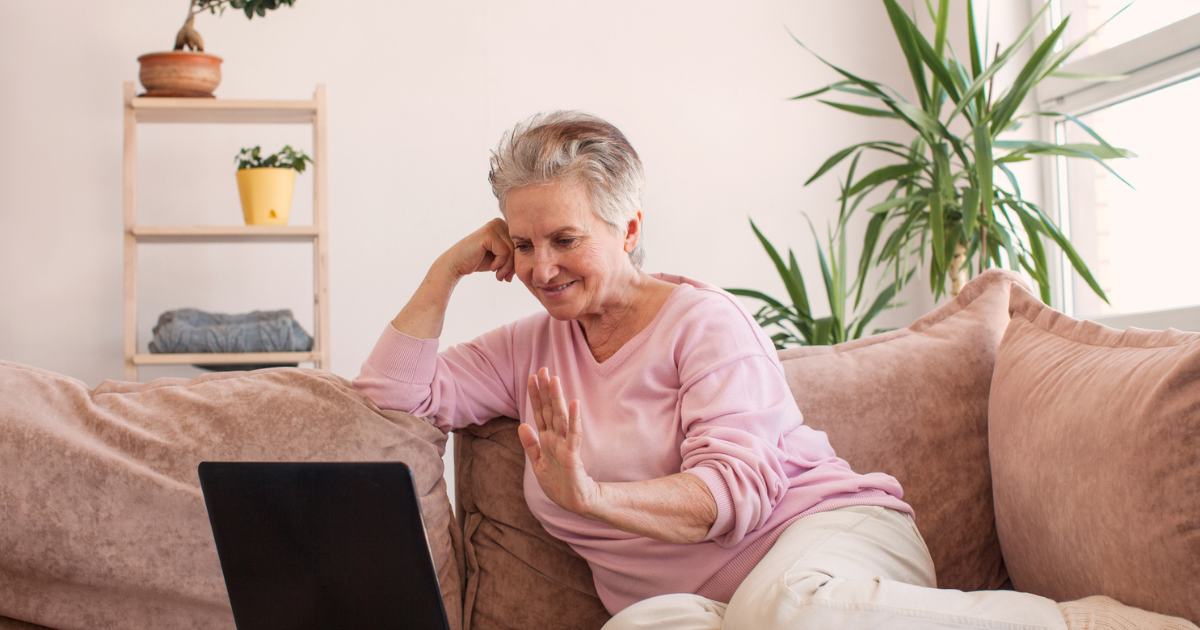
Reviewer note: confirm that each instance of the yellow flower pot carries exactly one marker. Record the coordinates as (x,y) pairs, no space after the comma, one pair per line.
(266,194)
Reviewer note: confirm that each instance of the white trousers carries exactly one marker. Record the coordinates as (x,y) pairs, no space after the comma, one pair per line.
(855,567)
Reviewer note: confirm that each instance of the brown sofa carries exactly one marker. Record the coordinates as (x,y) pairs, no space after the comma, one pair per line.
(1050,455)
(1040,453)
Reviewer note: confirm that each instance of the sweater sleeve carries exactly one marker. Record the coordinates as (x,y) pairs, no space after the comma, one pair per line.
(735,412)
(469,383)
(734,420)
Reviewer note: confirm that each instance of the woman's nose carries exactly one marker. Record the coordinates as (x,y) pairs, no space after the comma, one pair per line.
(545,267)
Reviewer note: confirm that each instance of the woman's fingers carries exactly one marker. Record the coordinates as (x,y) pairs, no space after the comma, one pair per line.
(548,413)
(575,419)
(529,441)
(535,401)
(559,404)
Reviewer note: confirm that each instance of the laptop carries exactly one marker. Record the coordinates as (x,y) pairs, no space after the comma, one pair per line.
(322,545)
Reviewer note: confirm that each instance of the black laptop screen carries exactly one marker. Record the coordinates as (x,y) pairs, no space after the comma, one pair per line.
(322,545)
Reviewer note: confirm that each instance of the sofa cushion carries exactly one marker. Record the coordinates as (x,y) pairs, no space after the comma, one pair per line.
(1095,445)
(103,524)
(517,574)
(913,403)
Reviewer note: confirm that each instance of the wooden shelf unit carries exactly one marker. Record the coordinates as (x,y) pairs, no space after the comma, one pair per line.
(140,110)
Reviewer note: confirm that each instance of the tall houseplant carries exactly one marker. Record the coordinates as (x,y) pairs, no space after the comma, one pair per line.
(947,199)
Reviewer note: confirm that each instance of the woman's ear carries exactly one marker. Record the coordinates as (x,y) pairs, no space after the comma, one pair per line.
(633,232)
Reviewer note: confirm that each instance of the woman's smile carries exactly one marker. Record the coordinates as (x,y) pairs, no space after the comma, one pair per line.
(556,289)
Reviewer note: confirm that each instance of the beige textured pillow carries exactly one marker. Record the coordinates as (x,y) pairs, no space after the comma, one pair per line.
(913,403)
(103,524)
(1095,443)
(518,575)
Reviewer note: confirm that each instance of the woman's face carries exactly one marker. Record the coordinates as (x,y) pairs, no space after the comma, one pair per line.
(569,258)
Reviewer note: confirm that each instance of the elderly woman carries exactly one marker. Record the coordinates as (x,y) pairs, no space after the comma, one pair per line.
(680,469)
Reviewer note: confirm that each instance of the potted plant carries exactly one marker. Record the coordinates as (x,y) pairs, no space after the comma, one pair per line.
(187,71)
(949,199)
(265,183)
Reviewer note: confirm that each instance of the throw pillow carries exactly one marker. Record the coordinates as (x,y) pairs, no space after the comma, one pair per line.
(913,403)
(517,574)
(1095,444)
(103,524)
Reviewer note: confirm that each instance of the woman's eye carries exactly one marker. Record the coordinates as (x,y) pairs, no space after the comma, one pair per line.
(523,247)
(566,242)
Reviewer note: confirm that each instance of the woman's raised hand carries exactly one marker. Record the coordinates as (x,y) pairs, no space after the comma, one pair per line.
(487,249)
(553,446)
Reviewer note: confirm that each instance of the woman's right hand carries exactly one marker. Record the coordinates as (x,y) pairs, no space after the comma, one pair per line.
(487,249)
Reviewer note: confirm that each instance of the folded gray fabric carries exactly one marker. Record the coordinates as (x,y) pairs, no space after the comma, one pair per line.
(190,330)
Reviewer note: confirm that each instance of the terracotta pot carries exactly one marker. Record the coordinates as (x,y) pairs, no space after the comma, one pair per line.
(180,73)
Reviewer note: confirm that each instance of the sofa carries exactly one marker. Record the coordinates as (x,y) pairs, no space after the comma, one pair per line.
(1040,453)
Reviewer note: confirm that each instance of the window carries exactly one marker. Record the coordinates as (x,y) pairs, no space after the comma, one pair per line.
(1139,239)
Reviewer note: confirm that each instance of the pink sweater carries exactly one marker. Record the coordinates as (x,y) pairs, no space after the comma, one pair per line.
(700,391)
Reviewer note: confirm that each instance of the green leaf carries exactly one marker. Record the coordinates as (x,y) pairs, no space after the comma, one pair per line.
(822,332)
(937,227)
(933,59)
(862,111)
(1123,152)
(983,169)
(869,86)
(870,240)
(801,306)
(1059,239)
(904,29)
(1091,77)
(880,175)
(1029,75)
(815,92)
(970,211)
(884,206)
(796,292)
(758,295)
(973,40)
(833,161)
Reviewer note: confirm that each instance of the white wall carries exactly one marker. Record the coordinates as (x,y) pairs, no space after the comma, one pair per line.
(418,94)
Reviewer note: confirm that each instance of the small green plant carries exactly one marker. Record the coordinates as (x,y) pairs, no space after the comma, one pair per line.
(287,157)
(188,38)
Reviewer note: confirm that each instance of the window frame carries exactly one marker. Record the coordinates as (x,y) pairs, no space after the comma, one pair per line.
(1156,60)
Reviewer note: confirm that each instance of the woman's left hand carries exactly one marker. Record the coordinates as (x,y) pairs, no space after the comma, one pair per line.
(553,446)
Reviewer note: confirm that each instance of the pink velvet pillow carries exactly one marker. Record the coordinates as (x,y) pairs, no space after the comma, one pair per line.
(1095,444)
(913,403)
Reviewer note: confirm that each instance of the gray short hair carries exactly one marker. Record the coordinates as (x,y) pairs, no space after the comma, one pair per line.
(574,147)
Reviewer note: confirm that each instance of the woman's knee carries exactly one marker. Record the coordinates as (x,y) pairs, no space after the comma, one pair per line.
(677,611)
(760,607)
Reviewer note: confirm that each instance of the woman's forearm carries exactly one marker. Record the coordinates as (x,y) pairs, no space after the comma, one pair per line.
(679,508)
(425,312)
(487,249)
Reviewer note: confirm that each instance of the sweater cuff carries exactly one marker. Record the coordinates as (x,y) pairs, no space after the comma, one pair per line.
(404,358)
(720,491)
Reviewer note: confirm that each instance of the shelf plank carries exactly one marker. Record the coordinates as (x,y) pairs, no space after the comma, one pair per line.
(215,110)
(224,233)
(215,358)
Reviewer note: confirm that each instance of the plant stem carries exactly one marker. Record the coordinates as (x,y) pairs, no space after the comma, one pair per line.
(958,269)
(188,36)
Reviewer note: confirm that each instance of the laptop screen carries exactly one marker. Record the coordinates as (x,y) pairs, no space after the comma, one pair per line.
(322,545)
